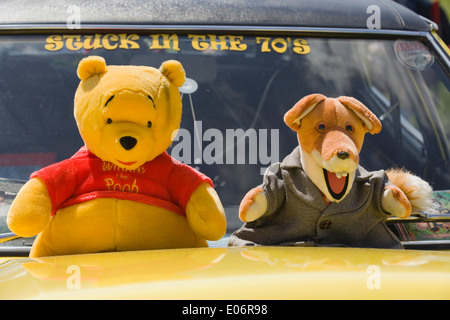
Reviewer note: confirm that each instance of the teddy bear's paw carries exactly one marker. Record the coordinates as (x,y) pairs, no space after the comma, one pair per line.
(205,213)
(395,202)
(253,206)
(30,211)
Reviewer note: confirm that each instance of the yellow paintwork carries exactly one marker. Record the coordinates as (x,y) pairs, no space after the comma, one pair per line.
(441,42)
(231,273)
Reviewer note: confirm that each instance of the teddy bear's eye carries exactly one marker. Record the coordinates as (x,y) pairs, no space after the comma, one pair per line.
(110,98)
(109,121)
(149,124)
(349,128)
(152,101)
(321,126)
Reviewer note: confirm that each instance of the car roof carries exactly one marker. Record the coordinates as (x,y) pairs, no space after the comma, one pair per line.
(289,13)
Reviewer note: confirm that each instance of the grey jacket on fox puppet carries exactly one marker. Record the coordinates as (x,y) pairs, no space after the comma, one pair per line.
(297,213)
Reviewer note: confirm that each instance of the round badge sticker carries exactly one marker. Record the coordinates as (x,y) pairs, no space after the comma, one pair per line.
(413,54)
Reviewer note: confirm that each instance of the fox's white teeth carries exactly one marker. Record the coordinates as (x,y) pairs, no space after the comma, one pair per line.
(341,174)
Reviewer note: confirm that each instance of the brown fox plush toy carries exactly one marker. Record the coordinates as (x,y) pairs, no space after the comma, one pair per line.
(319,194)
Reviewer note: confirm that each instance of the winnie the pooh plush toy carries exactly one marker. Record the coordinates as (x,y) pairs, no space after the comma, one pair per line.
(319,194)
(121,191)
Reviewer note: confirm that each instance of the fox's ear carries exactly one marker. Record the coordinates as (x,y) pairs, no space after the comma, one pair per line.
(369,119)
(293,117)
(174,71)
(90,66)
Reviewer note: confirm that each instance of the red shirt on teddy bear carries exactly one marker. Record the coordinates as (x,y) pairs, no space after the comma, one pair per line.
(85,177)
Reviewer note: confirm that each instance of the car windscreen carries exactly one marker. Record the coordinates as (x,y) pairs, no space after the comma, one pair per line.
(237,91)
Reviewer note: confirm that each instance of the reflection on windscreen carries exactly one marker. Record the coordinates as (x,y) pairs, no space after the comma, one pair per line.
(238,91)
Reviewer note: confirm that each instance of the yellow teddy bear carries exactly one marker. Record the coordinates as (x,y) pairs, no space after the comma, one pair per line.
(121,191)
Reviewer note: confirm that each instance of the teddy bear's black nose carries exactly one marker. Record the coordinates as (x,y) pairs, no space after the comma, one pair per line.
(343,155)
(128,142)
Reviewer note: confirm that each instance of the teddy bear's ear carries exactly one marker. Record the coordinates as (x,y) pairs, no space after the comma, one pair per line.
(174,71)
(90,66)
(369,119)
(294,116)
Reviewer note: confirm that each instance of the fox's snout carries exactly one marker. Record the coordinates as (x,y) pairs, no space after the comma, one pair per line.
(337,144)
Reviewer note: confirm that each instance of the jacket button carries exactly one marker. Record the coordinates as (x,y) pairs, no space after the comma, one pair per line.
(325,224)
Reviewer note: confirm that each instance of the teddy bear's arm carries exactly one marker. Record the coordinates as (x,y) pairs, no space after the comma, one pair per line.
(30,211)
(253,206)
(395,202)
(206,214)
